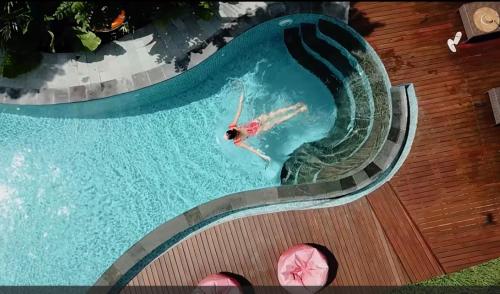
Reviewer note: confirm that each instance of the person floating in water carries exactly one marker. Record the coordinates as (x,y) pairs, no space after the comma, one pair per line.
(259,125)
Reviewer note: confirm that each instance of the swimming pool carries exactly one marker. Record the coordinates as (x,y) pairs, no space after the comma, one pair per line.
(81,183)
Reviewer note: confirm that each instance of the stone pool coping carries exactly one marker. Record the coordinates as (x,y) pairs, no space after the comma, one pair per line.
(384,165)
(228,28)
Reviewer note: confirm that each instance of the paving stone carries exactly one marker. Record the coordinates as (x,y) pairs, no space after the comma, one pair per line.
(61,95)
(256,197)
(109,88)
(93,90)
(140,80)
(372,169)
(155,75)
(347,183)
(125,85)
(28,96)
(215,207)
(46,96)
(77,93)
(361,178)
(110,277)
(396,120)
(193,216)
(168,70)
(393,134)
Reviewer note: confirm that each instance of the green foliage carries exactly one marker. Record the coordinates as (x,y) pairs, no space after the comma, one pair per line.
(81,13)
(16,63)
(15,18)
(19,38)
(205,9)
(89,40)
(486,274)
(28,27)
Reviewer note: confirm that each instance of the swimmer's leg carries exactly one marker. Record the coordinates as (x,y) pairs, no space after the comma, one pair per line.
(265,118)
(284,109)
(270,124)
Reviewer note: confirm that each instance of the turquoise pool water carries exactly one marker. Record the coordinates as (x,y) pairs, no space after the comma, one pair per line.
(75,193)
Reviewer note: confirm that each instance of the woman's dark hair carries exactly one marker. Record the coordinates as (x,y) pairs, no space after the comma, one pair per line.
(231,134)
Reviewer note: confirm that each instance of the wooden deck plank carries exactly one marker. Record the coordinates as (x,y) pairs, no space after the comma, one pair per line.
(365,258)
(368,224)
(233,241)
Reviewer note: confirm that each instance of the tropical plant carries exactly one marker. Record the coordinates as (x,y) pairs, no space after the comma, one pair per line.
(205,9)
(19,38)
(81,12)
(15,18)
(28,28)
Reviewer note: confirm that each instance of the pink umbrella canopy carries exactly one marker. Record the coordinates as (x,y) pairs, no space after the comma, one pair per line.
(303,265)
(218,284)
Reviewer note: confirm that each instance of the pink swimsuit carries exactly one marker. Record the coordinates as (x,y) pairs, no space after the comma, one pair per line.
(252,128)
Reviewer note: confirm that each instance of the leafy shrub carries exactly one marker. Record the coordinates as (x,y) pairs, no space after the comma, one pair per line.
(19,38)
(16,63)
(81,13)
(15,18)
(205,9)
(28,27)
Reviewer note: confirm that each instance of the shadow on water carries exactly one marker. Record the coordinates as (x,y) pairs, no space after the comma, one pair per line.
(361,23)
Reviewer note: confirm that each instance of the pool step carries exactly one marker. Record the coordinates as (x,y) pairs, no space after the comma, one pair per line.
(328,48)
(295,48)
(345,103)
(357,83)
(373,68)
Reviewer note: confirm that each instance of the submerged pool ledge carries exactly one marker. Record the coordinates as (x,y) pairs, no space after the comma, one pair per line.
(376,173)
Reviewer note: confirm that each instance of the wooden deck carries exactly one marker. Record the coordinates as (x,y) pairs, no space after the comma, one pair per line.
(441,211)
(250,247)
(450,183)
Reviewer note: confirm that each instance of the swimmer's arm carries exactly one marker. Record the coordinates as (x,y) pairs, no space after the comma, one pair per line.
(255,151)
(240,106)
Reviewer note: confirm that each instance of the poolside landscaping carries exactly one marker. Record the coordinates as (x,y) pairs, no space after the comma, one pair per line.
(486,274)
(29,28)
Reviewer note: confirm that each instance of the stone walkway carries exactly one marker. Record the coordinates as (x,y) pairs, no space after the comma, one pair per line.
(150,55)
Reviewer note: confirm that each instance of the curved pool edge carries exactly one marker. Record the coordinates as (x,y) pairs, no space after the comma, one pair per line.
(237,205)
